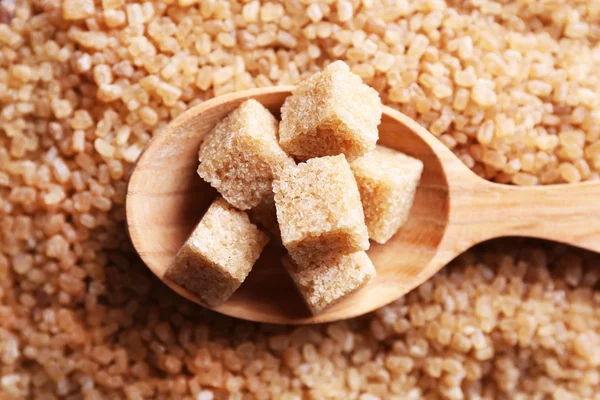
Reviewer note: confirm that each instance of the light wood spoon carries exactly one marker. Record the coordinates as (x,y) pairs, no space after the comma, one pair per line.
(453,210)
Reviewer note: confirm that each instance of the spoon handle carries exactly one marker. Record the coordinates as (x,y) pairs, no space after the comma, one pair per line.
(564,213)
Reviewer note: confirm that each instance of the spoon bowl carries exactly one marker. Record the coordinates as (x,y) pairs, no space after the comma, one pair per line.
(453,210)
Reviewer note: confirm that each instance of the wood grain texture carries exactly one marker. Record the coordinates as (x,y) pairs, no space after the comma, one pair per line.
(454,209)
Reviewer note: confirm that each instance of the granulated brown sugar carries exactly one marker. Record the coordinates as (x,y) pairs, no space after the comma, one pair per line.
(510,87)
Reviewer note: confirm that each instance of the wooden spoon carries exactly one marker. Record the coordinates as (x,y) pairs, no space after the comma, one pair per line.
(453,210)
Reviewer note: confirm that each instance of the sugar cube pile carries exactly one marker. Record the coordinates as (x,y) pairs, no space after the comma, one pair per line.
(316,181)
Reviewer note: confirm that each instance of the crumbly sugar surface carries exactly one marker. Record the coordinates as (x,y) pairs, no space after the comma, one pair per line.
(387,181)
(324,281)
(241,156)
(333,112)
(510,87)
(319,209)
(219,254)
(209,281)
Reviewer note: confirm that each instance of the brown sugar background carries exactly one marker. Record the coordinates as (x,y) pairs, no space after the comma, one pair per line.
(510,86)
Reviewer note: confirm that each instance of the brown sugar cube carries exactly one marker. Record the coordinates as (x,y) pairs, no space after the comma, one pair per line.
(218,255)
(331,113)
(265,215)
(241,156)
(325,281)
(387,181)
(319,209)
